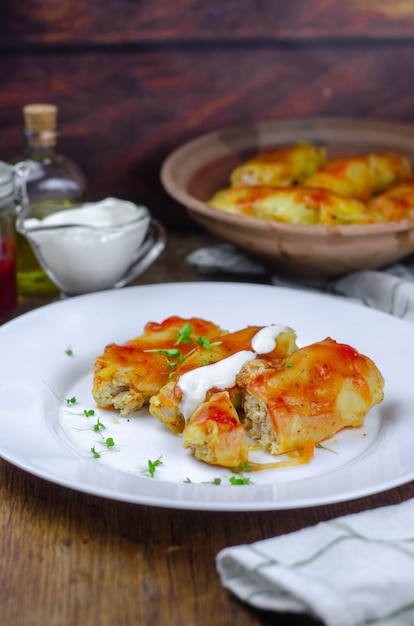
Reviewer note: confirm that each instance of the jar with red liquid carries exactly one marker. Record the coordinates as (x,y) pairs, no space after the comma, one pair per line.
(8,204)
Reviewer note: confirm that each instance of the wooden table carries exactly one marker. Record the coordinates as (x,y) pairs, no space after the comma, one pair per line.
(73,559)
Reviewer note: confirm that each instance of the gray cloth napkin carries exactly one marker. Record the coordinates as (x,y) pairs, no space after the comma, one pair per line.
(390,290)
(352,571)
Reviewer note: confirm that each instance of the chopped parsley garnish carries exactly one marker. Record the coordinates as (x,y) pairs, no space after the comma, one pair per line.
(69,352)
(205,342)
(98,426)
(85,412)
(61,398)
(165,351)
(169,353)
(152,466)
(184,334)
(95,454)
(319,445)
(239,480)
(243,467)
(174,356)
(109,443)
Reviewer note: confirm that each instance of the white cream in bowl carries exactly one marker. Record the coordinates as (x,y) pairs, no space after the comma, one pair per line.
(91,247)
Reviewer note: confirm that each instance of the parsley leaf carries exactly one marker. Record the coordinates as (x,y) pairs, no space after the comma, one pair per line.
(165,351)
(319,445)
(205,342)
(184,334)
(85,412)
(216,481)
(240,480)
(95,454)
(61,398)
(98,426)
(152,466)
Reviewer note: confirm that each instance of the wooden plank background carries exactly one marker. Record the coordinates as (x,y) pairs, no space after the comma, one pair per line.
(134,79)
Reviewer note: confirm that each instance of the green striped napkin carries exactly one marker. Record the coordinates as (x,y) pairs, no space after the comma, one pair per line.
(351,571)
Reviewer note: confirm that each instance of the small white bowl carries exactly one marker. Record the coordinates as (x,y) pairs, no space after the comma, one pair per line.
(89,249)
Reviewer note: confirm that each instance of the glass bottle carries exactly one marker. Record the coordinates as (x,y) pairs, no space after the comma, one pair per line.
(53,182)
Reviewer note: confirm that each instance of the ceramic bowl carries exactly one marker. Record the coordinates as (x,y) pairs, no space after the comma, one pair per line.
(81,256)
(194,171)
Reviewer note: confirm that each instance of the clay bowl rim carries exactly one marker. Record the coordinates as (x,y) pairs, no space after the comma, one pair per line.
(400,134)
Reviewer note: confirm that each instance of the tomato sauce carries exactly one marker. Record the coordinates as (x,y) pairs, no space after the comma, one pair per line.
(8,293)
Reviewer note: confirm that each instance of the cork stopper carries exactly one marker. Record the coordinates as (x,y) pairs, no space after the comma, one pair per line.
(40,124)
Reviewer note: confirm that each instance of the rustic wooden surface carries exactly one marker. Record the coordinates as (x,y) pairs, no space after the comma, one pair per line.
(148,21)
(133,80)
(72,558)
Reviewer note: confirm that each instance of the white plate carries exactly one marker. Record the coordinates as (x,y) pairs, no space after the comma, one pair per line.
(51,439)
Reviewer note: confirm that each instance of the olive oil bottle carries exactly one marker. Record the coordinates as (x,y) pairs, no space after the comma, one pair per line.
(54,182)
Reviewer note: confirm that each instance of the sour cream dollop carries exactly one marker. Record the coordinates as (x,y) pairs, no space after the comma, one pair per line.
(195,383)
(264,340)
(221,375)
